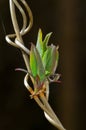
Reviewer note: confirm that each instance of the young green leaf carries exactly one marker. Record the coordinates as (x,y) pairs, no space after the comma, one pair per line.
(40,70)
(33,62)
(56,63)
(50,59)
(42,44)
(46,40)
(39,44)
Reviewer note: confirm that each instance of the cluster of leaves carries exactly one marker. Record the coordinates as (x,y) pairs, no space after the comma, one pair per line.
(43,59)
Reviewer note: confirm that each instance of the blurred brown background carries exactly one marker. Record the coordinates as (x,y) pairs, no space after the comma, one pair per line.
(67,20)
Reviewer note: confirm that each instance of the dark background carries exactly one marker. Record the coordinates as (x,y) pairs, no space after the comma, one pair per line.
(67,20)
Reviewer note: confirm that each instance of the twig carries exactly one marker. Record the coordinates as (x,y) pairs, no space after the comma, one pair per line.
(44,105)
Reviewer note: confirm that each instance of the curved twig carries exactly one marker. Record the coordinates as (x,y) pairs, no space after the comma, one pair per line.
(24,29)
(44,105)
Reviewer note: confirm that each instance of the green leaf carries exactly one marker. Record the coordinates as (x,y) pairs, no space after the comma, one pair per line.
(39,44)
(40,70)
(33,61)
(50,59)
(56,62)
(46,40)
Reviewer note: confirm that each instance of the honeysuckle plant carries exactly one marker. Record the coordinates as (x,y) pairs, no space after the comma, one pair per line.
(41,61)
